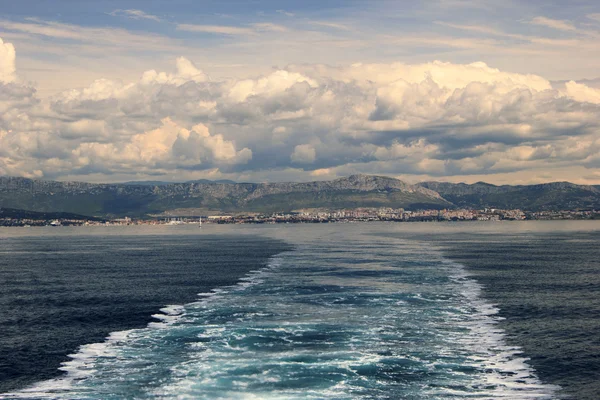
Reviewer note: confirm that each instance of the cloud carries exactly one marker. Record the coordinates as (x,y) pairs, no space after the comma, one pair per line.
(582,93)
(333,25)
(286,13)
(323,172)
(486,30)
(134,14)
(434,119)
(217,29)
(227,30)
(7,62)
(553,23)
(170,146)
(247,45)
(304,154)
(93,36)
(274,83)
(269,27)
(444,74)
(186,71)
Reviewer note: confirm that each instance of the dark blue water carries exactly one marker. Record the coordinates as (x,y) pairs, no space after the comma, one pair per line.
(547,287)
(348,311)
(58,293)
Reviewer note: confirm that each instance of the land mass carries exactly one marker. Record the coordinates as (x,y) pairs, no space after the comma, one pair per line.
(139,199)
(144,199)
(542,197)
(17,217)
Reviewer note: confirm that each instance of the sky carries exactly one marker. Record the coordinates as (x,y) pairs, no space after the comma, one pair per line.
(446,90)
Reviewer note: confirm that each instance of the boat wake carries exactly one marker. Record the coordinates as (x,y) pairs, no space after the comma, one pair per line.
(347,318)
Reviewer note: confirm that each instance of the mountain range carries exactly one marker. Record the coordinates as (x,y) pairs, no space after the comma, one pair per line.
(11,213)
(546,196)
(208,197)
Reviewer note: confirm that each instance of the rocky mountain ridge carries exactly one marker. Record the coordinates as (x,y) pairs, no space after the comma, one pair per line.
(350,192)
(132,199)
(538,197)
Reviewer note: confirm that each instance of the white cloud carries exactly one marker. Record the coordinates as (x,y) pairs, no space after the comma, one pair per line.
(553,23)
(228,30)
(186,71)
(269,27)
(276,82)
(444,74)
(304,154)
(98,36)
(582,93)
(134,14)
(418,150)
(286,13)
(217,29)
(198,143)
(7,62)
(170,146)
(323,172)
(328,24)
(248,47)
(433,119)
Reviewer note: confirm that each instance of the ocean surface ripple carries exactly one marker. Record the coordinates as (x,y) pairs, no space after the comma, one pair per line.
(342,316)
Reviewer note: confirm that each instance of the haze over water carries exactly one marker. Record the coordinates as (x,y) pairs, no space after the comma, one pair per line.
(477,310)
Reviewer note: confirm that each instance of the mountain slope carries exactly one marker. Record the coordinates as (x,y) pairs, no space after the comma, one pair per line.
(354,191)
(8,213)
(547,196)
(136,200)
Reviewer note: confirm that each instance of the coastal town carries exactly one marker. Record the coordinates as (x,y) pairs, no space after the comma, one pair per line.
(312,216)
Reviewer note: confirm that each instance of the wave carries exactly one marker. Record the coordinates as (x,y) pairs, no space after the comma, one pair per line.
(83,363)
(353,317)
(507,372)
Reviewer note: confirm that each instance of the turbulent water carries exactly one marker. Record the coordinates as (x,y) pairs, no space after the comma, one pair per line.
(547,286)
(348,312)
(59,292)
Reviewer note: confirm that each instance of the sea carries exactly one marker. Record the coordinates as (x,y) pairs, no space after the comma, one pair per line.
(463,310)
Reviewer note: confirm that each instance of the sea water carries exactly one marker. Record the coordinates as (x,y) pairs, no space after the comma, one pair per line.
(348,311)
(64,287)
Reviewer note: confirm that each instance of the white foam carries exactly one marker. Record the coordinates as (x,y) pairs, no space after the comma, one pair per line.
(508,373)
(224,349)
(170,314)
(173,310)
(82,364)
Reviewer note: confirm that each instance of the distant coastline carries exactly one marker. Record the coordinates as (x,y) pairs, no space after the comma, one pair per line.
(352,198)
(21,218)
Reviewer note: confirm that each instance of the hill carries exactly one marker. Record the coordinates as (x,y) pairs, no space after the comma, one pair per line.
(138,200)
(205,197)
(163,183)
(17,217)
(547,196)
